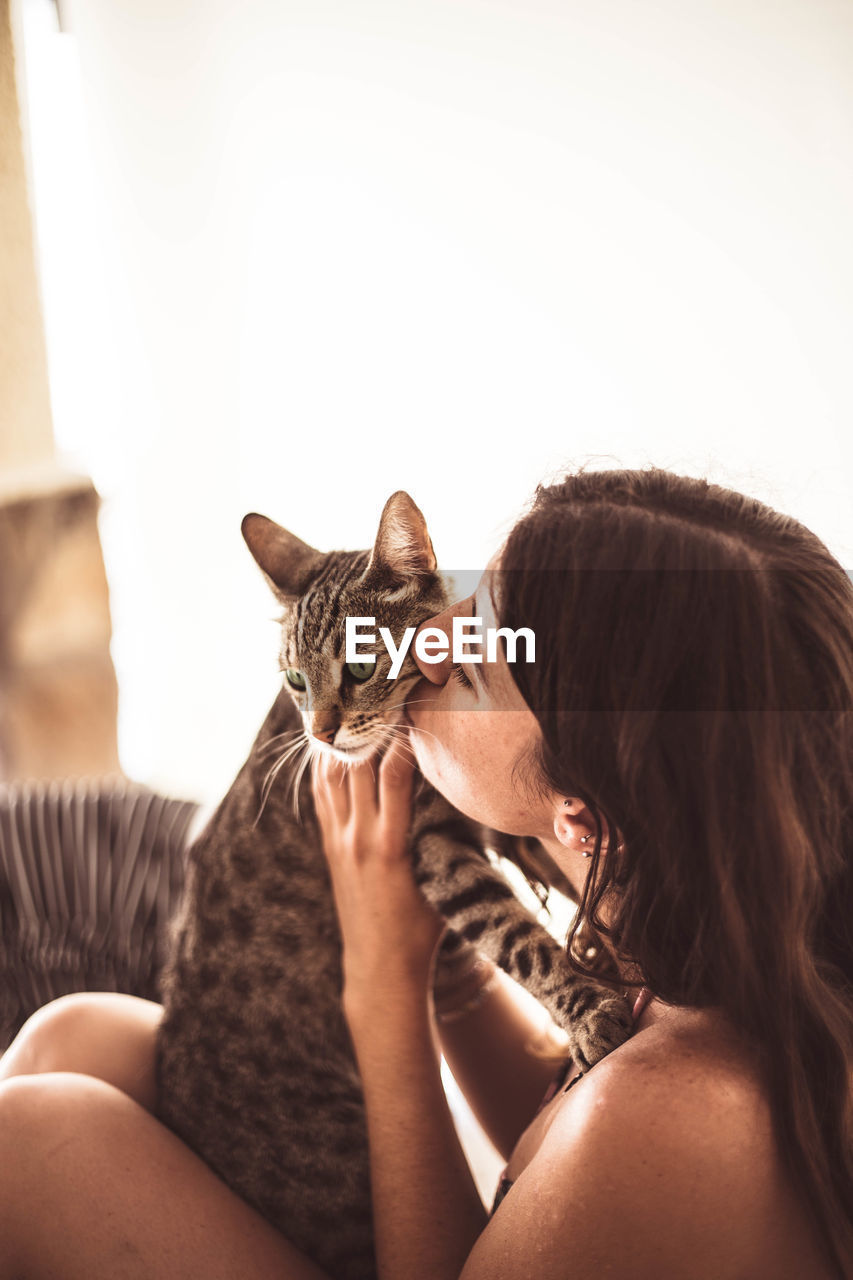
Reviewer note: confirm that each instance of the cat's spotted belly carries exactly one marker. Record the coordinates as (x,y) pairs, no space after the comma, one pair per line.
(267,1093)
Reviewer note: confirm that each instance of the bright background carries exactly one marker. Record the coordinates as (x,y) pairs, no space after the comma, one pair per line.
(298,255)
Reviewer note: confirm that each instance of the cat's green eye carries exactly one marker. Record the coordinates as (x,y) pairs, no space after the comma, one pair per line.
(361,671)
(294,678)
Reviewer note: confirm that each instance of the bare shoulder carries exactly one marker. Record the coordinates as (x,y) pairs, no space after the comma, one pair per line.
(685,1076)
(663,1160)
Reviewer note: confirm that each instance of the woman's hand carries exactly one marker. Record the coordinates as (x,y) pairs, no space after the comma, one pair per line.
(389,931)
(426,1210)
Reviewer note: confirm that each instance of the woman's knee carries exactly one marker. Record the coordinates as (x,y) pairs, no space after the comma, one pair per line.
(50,1038)
(96,1033)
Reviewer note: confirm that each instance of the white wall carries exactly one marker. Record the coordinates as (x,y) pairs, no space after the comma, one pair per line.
(298,255)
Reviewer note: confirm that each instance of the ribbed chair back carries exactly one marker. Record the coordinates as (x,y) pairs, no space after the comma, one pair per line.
(90,875)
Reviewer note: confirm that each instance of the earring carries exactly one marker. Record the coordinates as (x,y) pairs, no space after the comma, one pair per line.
(587,853)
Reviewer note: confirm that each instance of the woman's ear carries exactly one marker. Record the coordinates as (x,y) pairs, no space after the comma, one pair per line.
(574,826)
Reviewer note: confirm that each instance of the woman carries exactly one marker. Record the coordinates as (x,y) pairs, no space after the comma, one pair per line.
(691,711)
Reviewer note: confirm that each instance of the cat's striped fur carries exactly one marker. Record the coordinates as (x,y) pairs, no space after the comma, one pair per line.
(255,1068)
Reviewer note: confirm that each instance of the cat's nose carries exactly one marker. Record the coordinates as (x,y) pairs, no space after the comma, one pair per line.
(324,729)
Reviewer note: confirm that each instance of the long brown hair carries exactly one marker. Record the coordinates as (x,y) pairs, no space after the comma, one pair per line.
(694,686)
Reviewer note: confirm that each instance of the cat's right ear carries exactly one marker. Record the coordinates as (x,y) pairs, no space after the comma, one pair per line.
(402,546)
(287,563)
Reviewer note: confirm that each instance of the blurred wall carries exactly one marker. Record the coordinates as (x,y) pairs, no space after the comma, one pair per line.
(26,434)
(297,255)
(58,693)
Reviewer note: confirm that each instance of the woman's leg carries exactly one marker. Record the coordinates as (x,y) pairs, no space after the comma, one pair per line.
(93,1187)
(98,1033)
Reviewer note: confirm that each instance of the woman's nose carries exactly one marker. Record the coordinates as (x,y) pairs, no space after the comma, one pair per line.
(438,671)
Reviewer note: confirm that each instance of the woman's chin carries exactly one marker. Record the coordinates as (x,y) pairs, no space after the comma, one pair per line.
(422,758)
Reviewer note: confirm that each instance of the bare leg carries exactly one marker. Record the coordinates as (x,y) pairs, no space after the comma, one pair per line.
(98,1033)
(93,1187)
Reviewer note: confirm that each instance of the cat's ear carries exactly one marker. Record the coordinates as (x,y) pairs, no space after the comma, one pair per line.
(288,563)
(402,546)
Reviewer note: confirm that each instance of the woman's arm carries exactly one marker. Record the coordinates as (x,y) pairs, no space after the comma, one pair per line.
(427,1211)
(491,1050)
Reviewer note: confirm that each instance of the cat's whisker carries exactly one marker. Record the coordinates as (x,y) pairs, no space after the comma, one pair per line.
(310,753)
(287,754)
(296,746)
(292,750)
(293,784)
(299,776)
(287,733)
(275,769)
(407,702)
(265,790)
(395,728)
(272,743)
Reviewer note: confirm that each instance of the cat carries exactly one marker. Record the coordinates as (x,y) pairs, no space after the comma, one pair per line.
(255,1068)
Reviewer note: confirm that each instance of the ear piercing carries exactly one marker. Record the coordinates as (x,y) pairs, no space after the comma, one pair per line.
(587,853)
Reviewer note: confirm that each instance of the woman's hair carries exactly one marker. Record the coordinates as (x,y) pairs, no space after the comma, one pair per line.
(693,684)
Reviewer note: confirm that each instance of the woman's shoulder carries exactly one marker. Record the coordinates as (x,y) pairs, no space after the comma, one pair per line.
(683,1102)
(683,1070)
(661,1161)
(680,1061)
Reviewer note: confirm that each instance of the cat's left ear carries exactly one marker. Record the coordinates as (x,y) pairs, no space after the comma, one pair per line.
(402,546)
(287,563)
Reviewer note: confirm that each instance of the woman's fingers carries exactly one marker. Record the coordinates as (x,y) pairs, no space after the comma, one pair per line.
(375,810)
(399,761)
(330,789)
(362,787)
(396,774)
(388,929)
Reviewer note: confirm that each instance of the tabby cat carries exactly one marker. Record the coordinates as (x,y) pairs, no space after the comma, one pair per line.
(255,1066)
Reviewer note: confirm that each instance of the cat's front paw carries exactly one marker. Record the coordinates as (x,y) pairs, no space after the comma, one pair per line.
(600,1029)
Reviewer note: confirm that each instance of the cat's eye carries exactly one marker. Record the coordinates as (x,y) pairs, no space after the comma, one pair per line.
(458,674)
(361,671)
(294,678)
